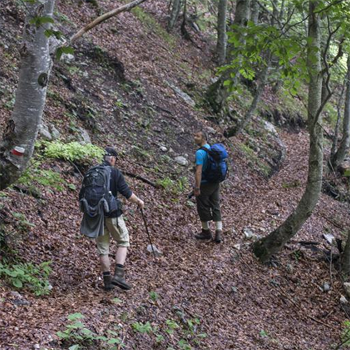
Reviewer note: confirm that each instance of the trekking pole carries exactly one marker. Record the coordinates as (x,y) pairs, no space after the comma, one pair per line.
(149,236)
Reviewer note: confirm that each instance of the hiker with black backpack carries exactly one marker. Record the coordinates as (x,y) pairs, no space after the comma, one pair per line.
(103,215)
(210,170)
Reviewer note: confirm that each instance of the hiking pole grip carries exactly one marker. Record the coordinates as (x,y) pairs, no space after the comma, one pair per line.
(149,236)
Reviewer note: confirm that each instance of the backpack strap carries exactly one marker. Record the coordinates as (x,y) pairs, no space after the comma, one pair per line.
(109,172)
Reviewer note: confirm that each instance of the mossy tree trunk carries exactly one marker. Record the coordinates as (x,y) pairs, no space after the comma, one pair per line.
(274,242)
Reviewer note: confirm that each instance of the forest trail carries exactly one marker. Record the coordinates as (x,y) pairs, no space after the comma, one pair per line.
(240,303)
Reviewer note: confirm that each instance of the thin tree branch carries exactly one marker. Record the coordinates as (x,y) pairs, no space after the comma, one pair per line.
(138,177)
(103,18)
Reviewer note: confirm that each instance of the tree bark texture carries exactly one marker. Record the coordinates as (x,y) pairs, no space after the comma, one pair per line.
(345,261)
(254,12)
(217,93)
(274,242)
(174,14)
(344,146)
(222,37)
(249,114)
(17,145)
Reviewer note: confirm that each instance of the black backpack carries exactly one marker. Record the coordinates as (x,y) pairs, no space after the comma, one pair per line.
(95,192)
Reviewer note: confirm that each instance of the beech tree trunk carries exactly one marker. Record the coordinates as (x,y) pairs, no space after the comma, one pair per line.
(249,114)
(345,261)
(174,14)
(217,93)
(254,16)
(344,146)
(17,145)
(274,242)
(222,37)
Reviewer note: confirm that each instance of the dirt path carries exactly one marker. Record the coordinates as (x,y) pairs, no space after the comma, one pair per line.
(240,303)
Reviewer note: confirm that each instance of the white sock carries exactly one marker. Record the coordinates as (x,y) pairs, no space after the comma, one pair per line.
(205,225)
(218,225)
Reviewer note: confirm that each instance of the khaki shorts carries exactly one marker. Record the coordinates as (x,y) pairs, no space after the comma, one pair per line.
(116,228)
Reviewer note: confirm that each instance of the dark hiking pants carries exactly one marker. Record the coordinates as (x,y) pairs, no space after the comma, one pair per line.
(208,202)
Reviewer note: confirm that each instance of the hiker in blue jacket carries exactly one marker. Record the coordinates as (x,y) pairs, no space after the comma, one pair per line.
(207,193)
(113,225)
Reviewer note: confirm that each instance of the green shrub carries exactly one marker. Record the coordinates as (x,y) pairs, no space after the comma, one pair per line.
(78,336)
(73,151)
(176,187)
(142,328)
(22,223)
(28,276)
(34,175)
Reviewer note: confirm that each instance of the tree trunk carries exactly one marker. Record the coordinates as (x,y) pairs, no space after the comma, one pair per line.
(174,14)
(337,126)
(217,93)
(254,12)
(222,37)
(345,260)
(274,242)
(21,129)
(249,114)
(344,146)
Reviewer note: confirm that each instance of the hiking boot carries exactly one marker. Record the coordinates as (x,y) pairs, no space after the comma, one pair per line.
(119,278)
(107,281)
(205,234)
(218,236)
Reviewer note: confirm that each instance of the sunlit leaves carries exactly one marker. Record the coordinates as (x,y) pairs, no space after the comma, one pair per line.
(39,21)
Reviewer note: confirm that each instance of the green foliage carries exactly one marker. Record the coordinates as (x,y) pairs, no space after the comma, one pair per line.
(263,334)
(56,33)
(153,295)
(345,335)
(166,183)
(73,151)
(172,325)
(78,336)
(39,21)
(28,276)
(153,26)
(22,223)
(250,42)
(176,187)
(34,175)
(142,327)
(64,50)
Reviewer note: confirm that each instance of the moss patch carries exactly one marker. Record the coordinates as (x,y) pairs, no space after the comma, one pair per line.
(152,25)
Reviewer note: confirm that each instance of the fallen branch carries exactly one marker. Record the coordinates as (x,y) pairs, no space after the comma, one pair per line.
(138,177)
(103,18)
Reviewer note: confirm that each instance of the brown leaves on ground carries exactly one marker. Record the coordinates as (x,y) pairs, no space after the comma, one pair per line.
(241,304)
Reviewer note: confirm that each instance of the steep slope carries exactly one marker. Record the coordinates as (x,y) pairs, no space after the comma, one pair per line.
(118,89)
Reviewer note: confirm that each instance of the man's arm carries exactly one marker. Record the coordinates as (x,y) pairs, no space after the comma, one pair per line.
(136,200)
(197,180)
(124,189)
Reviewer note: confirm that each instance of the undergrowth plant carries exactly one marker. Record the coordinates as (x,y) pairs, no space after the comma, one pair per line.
(33,175)
(28,276)
(176,187)
(73,151)
(78,336)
